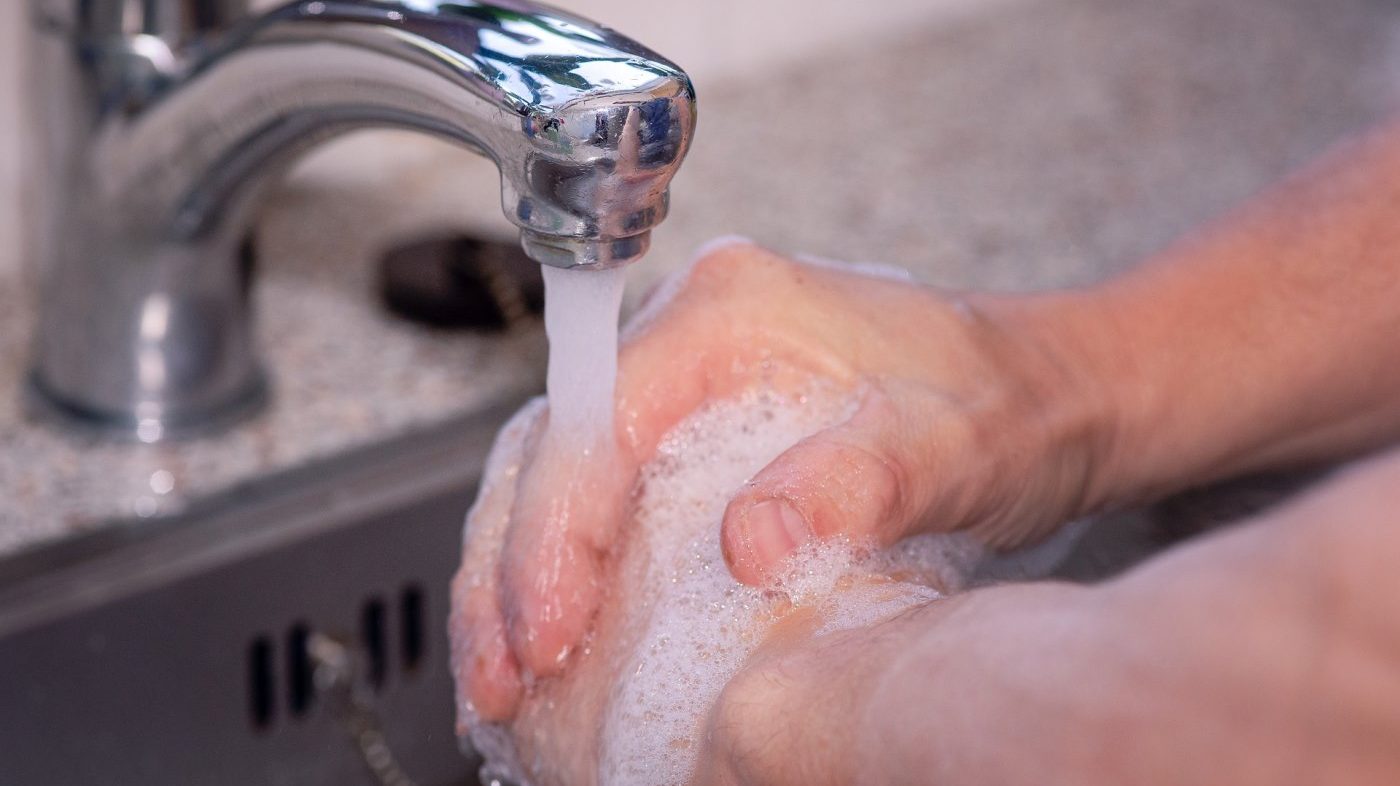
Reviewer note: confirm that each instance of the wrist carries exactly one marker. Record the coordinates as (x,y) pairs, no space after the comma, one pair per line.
(987,687)
(1082,389)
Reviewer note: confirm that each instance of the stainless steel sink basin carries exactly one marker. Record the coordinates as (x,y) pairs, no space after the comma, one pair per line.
(173,650)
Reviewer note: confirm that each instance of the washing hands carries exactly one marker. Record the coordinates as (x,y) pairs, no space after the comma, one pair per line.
(1259,655)
(929,447)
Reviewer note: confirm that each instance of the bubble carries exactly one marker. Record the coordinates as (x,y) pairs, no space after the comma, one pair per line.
(683,626)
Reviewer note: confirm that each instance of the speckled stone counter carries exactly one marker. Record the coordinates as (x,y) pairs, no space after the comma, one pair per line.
(345,373)
(1047,144)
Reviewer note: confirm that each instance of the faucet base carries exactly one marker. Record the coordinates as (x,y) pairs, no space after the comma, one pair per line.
(44,405)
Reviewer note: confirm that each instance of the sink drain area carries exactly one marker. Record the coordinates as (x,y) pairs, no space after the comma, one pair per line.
(390,643)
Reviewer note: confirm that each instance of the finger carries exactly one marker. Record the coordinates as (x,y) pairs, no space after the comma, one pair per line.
(486,673)
(566,517)
(868,478)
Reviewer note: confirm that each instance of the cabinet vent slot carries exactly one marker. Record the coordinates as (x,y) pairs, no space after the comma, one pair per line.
(262,688)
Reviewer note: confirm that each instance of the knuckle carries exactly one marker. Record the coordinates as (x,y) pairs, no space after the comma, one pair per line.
(863,489)
(732,267)
(717,271)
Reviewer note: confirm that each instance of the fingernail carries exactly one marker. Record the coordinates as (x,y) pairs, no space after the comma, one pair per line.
(775,530)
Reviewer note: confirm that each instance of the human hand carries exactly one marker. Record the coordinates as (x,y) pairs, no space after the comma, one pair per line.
(972,414)
(1247,657)
(955,691)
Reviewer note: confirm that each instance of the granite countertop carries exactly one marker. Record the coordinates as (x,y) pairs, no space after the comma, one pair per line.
(1043,144)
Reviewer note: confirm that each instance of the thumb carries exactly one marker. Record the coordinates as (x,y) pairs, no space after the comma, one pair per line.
(872,477)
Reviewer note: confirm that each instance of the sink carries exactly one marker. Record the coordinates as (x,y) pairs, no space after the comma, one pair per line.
(172,650)
(177,643)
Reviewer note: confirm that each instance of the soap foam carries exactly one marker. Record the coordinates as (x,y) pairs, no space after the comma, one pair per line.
(680,626)
(697,623)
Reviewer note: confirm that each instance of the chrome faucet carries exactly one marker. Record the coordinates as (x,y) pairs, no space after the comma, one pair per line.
(162,122)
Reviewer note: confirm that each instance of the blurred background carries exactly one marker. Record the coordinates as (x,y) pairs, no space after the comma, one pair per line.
(1007,144)
(1012,144)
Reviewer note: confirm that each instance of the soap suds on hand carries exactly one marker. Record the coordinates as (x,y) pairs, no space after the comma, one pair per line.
(677,626)
(700,624)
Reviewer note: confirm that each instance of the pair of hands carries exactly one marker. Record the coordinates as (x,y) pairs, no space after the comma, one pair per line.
(978,413)
(1263,656)
(971,414)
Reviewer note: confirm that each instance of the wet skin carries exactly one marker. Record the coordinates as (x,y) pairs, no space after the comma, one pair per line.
(1264,341)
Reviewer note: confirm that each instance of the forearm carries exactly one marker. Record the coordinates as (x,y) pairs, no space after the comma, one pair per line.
(1271,339)
(1263,656)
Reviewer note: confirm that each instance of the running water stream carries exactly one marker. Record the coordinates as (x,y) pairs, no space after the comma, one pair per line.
(581,310)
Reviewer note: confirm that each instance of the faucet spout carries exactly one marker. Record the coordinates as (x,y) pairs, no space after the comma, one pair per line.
(161,142)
